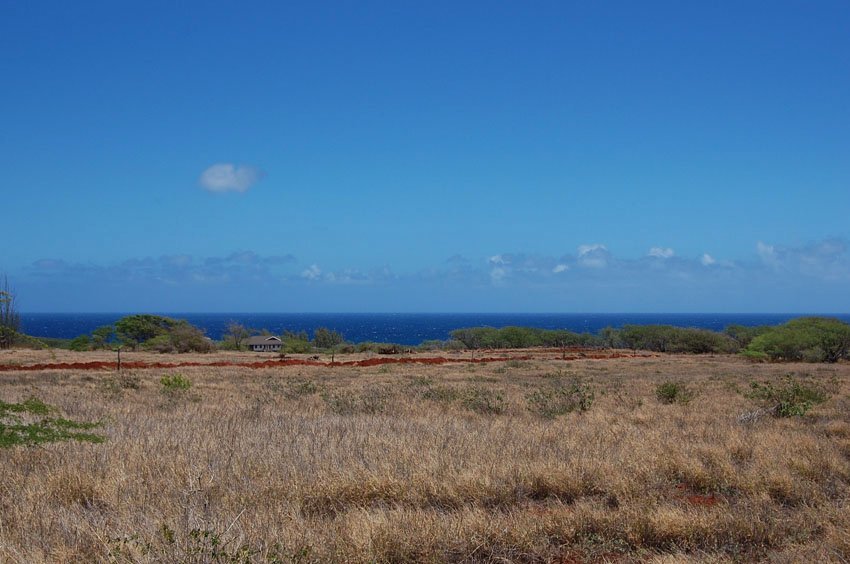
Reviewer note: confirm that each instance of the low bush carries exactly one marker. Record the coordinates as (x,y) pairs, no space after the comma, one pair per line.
(553,401)
(33,422)
(788,398)
(79,344)
(484,401)
(670,392)
(441,394)
(297,347)
(175,383)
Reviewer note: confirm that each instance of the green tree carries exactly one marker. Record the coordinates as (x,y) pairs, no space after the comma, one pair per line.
(236,335)
(647,337)
(134,330)
(744,335)
(324,338)
(610,337)
(181,337)
(102,336)
(81,343)
(10,320)
(813,339)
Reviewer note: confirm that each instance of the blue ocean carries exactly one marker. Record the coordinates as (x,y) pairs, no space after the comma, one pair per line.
(403,328)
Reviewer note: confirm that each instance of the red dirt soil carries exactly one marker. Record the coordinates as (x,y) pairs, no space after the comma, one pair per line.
(99,365)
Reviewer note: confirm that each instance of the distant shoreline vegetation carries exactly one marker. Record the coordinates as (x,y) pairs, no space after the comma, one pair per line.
(807,339)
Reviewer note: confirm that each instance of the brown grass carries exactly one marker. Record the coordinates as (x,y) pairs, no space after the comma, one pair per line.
(401,463)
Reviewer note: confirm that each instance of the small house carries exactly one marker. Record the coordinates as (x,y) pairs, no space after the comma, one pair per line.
(264,343)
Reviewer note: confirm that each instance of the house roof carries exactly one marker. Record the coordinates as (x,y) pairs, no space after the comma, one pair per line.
(264,340)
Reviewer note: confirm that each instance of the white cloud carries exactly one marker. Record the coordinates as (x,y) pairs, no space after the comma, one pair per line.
(767,254)
(707,259)
(593,256)
(560,268)
(227,177)
(313,272)
(587,249)
(496,259)
(661,252)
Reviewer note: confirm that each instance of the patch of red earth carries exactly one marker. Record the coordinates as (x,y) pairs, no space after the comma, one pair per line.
(100,365)
(704,500)
(692,498)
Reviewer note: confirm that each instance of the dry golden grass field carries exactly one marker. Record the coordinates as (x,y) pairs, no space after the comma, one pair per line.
(539,460)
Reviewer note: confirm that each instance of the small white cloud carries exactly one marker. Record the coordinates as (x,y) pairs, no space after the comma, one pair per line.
(661,252)
(497,259)
(560,268)
(313,272)
(593,256)
(587,249)
(707,259)
(227,177)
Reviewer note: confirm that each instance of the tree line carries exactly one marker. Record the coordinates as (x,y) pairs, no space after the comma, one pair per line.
(806,339)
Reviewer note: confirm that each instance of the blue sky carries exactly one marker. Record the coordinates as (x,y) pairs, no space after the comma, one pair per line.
(430,156)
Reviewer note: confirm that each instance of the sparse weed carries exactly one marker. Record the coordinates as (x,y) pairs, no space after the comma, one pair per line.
(370,401)
(484,400)
(421,381)
(670,392)
(550,402)
(441,394)
(116,384)
(297,388)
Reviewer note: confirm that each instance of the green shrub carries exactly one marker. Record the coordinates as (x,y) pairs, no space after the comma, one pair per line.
(441,394)
(484,401)
(519,337)
(754,356)
(673,392)
(744,335)
(297,347)
(79,344)
(32,423)
(809,339)
(550,402)
(790,397)
(175,383)
(667,338)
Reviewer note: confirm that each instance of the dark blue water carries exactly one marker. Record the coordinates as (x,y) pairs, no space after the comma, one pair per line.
(404,328)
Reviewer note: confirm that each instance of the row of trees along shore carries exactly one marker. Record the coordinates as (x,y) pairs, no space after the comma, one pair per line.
(807,339)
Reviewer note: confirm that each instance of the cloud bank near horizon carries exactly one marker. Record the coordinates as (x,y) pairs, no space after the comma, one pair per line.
(812,277)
